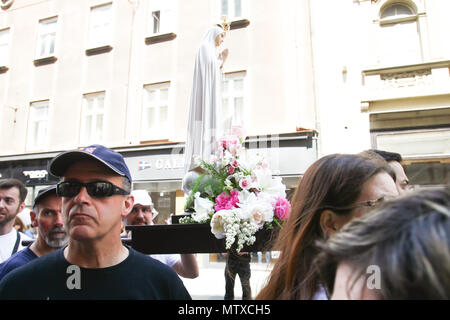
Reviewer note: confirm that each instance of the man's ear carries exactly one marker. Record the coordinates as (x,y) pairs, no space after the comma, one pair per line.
(128,205)
(328,222)
(21,207)
(34,220)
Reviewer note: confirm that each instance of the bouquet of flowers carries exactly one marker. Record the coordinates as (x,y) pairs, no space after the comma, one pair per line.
(237,194)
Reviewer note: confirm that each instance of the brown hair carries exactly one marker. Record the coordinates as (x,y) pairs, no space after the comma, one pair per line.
(14,183)
(333,182)
(407,239)
(19,222)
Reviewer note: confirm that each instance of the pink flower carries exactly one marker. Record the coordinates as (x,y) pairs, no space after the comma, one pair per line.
(244,183)
(230,169)
(225,201)
(229,141)
(235,163)
(282,208)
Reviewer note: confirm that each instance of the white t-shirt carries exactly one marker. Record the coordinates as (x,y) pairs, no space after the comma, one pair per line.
(168,259)
(7,242)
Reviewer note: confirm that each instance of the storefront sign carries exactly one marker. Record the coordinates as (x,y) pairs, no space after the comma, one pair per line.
(35,174)
(156,167)
(161,164)
(30,172)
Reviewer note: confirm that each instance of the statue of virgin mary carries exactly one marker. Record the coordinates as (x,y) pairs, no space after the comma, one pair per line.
(205,124)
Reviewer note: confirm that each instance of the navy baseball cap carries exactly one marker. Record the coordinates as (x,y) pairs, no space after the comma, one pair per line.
(110,158)
(44,192)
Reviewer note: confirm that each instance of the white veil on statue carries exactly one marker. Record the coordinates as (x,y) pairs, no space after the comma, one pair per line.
(204,126)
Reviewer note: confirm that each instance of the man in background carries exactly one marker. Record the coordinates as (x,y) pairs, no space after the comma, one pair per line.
(12,201)
(395,162)
(143,213)
(47,218)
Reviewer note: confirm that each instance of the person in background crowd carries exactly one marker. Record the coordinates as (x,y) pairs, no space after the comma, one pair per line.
(395,162)
(46,216)
(143,213)
(12,201)
(334,190)
(19,225)
(25,216)
(237,263)
(95,188)
(401,251)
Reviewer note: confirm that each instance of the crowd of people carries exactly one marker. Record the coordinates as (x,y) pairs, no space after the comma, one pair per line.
(355,231)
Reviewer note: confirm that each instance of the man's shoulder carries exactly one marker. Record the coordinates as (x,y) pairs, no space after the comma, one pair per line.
(39,266)
(145,260)
(17,260)
(158,269)
(35,279)
(155,274)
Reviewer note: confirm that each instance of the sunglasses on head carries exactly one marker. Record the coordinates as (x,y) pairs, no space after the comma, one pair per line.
(96,189)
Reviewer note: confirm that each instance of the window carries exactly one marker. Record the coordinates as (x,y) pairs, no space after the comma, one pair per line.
(426,142)
(399,35)
(37,134)
(161,17)
(46,38)
(100,26)
(4,47)
(233,9)
(233,99)
(396,11)
(92,118)
(156,21)
(155,117)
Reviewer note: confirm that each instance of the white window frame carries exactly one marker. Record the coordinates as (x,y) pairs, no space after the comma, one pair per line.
(161,129)
(100,26)
(5,36)
(231,14)
(167,16)
(230,93)
(391,22)
(92,134)
(46,37)
(38,126)
(397,19)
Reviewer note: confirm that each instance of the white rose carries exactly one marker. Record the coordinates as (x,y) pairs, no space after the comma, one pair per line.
(203,207)
(257,209)
(218,223)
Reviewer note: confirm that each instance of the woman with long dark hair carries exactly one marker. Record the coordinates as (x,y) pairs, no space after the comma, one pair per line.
(333,190)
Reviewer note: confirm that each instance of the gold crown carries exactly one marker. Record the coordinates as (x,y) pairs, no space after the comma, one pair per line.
(225,24)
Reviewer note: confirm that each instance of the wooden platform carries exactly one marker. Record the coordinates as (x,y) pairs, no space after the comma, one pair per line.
(189,238)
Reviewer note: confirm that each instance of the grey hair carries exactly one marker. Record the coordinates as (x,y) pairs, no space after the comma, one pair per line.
(126,184)
(407,238)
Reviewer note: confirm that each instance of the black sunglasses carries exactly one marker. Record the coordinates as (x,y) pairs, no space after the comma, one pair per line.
(96,189)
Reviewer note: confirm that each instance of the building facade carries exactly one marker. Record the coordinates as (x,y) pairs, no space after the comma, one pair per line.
(304,78)
(381,73)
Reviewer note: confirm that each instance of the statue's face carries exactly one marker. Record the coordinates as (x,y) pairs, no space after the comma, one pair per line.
(219,39)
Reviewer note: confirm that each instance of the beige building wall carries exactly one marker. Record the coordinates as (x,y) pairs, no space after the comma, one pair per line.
(274,51)
(308,64)
(353,82)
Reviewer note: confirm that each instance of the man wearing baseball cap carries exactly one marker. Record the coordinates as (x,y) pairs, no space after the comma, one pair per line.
(143,213)
(46,216)
(95,189)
